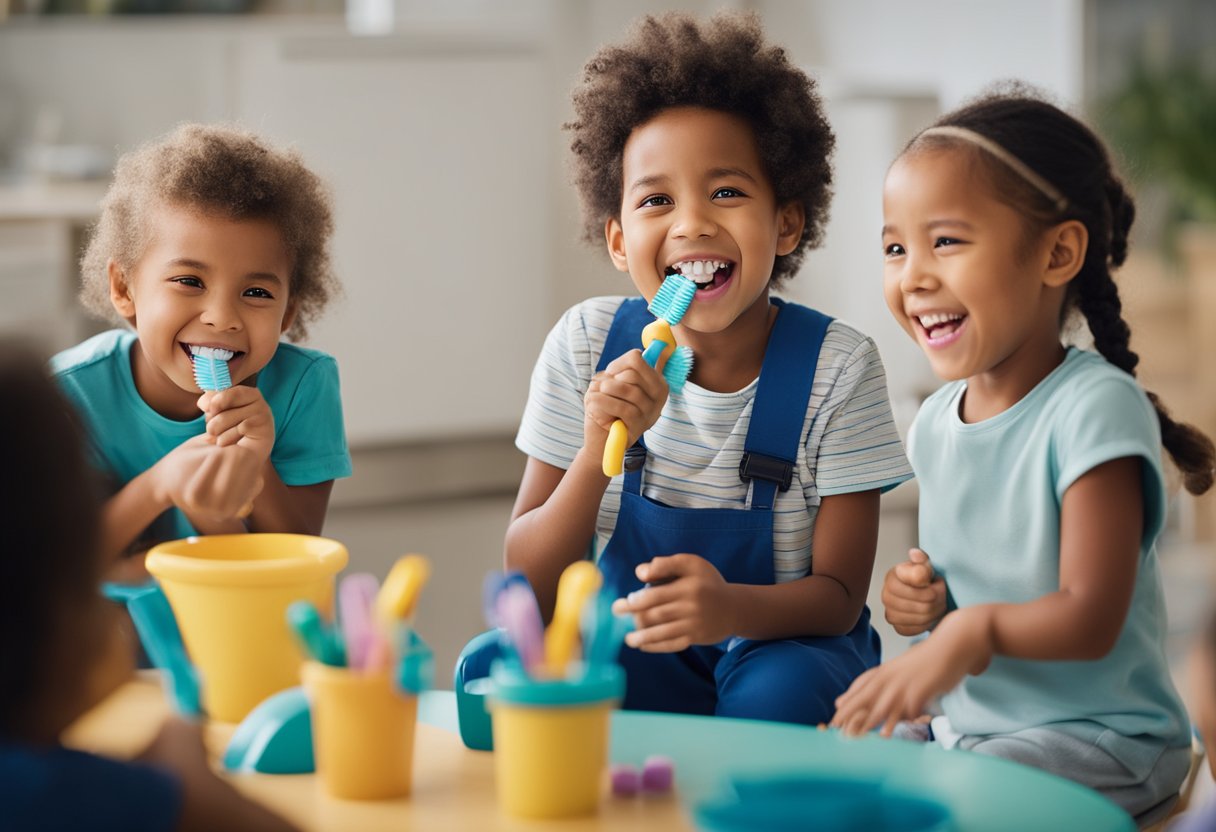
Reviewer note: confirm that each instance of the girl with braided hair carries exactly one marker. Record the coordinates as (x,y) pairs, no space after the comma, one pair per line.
(1042,492)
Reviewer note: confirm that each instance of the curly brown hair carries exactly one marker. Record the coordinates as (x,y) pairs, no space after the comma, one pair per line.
(224,170)
(723,64)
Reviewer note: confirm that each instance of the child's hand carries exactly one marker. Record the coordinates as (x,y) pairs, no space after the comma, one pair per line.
(207,482)
(239,416)
(913,597)
(688,602)
(903,687)
(628,389)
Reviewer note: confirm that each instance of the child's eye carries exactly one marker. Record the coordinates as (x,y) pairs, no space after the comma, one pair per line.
(258,292)
(189,280)
(894,250)
(652,201)
(946,241)
(727,193)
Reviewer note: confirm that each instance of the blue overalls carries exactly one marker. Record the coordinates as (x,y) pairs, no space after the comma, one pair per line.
(788,680)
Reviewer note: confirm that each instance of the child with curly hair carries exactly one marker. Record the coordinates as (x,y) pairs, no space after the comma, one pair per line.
(62,651)
(1042,491)
(750,509)
(210,241)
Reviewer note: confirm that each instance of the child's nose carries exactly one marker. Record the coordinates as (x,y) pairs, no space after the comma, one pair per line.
(918,275)
(693,220)
(221,313)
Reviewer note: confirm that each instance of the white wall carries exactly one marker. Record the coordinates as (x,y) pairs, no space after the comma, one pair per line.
(457,229)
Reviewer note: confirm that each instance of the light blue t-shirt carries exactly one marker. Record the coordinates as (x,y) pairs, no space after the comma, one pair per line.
(990,502)
(128,437)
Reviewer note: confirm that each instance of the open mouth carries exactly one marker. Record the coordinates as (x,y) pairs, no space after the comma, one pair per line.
(203,351)
(707,274)
(939,326)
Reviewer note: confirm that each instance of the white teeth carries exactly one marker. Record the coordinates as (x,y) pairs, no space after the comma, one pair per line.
(212,352)
(930,321)
(700,271)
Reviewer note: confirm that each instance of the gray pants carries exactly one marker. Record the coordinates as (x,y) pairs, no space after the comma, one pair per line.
(1146,791)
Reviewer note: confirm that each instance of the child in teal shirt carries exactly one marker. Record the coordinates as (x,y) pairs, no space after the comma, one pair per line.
(209,240)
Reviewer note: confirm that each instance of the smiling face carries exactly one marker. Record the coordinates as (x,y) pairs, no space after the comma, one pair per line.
(697,201)
(978,293)
(203,281)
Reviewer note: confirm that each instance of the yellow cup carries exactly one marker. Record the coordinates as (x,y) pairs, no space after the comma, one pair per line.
(551,740)
(362,732)
(230,595)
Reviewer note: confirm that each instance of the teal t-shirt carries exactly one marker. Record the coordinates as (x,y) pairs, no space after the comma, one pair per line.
(128,437)
(990,497)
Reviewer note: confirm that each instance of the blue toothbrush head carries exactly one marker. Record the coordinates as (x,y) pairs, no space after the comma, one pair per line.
(673,298)
(677,368)
(211,368)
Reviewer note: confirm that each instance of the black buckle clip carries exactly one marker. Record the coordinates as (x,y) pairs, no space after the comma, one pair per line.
(758,466)
(635,458)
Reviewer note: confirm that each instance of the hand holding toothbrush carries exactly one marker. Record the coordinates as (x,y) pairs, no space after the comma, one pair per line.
(668,306)
(239,416)
(628,391)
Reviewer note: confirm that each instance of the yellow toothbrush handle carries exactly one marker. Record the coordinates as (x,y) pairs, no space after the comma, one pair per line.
(578,582)
(614,449)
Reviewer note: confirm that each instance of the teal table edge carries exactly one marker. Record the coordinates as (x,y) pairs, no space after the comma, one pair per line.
(982,792)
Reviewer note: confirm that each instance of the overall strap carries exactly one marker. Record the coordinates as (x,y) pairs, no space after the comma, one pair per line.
(624,335)
(782,397)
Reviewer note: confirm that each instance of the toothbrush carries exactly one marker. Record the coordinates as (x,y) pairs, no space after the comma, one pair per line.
(321,642)
(669,305)
(211,375)
(404,583)
(579,581)
(519,616)
(356,600)
(211,367)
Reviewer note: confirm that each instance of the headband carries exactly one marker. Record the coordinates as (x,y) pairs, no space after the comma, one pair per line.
(1013,162)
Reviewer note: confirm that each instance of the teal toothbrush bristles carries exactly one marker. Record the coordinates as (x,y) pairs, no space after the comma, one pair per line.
(673,298)
(211,372)
(677,368)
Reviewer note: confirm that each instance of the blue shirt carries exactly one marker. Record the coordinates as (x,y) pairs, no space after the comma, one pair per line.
(56,788)
(128,437)
(990,522)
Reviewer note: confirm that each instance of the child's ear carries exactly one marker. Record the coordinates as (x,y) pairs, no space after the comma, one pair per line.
(614,236)
(791,219)
(120,292)
(1069,243)
(289,317)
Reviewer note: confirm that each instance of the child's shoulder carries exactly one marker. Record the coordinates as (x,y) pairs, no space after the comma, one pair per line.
(99,349)
(296,355)
(291,365)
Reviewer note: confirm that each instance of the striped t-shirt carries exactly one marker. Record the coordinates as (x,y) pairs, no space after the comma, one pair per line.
(849,438)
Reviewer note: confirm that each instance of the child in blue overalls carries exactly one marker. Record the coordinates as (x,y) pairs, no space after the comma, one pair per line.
(741,537)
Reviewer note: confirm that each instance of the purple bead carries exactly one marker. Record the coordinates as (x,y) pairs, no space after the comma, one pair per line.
(658,773)
(626,781)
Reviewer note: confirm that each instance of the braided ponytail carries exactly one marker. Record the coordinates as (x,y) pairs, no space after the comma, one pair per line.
(1061,151)
(1097,297)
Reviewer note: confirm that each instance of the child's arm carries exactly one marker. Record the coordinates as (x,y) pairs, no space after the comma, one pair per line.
(209,484)
(208,802)
(553,520)
(1101,523)
(241,416)
(694,605)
